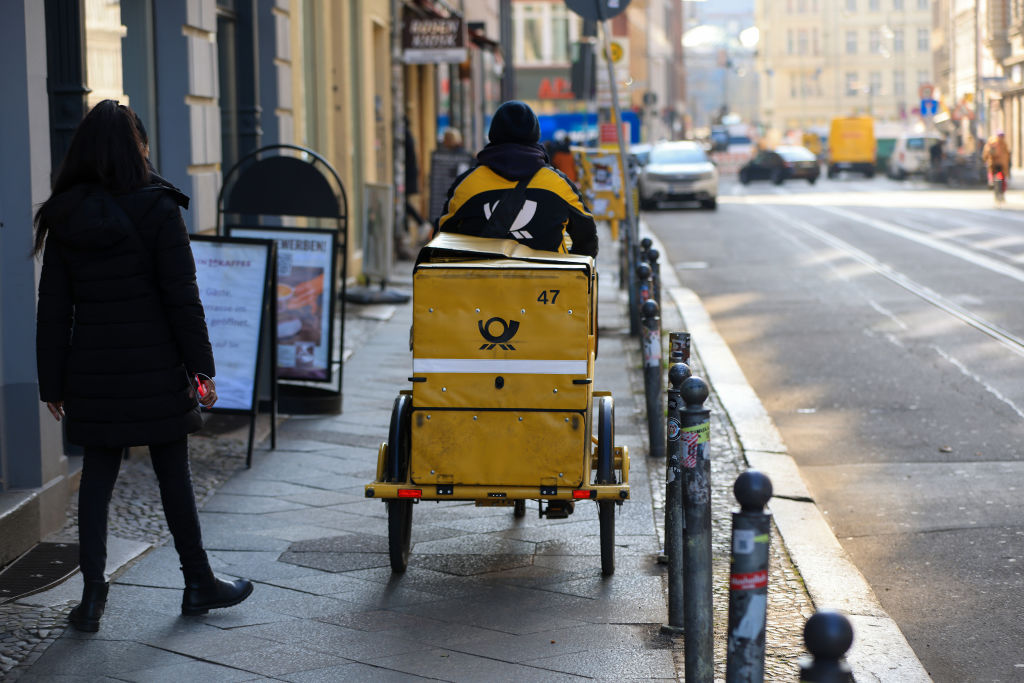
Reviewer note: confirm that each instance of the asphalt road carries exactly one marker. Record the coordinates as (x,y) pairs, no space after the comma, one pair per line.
(881,325)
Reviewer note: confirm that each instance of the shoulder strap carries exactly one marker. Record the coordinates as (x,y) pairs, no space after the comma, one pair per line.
(509,206)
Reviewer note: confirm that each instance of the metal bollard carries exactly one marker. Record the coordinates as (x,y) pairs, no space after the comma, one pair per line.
(698,616)
(748,578)
(645,248)
(643,278)
(678,347)
(651,340)
(677,374)
(828,635)
(652,259)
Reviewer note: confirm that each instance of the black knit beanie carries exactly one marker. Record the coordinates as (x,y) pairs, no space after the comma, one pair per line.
(514,121)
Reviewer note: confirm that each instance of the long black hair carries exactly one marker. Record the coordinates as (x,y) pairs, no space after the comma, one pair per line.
(108,149)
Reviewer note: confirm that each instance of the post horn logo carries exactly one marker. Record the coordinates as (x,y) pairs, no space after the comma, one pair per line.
(508,330)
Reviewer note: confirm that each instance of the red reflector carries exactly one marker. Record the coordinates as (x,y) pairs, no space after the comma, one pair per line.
(581,494)
(410,493)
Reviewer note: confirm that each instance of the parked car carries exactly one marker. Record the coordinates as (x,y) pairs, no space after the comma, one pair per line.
(781,164)
(679,171)
(910,156)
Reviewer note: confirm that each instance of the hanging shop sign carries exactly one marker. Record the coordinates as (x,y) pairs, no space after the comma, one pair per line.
(433,40)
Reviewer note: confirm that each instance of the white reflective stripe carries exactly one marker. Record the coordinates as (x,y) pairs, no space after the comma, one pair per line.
(493,365)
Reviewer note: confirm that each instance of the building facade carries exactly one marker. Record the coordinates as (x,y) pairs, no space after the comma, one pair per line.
(819,59)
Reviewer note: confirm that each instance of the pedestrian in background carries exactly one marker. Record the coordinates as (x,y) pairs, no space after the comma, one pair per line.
(996,155)
(122,350)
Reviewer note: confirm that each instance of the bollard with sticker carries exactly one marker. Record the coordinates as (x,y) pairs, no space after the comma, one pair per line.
(677,374)
(828,635)
(698,615)
(748,578)
(651,339)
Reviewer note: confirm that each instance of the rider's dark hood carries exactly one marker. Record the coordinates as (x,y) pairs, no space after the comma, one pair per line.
(513,160)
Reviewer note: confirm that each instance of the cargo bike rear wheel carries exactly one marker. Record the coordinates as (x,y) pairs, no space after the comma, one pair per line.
(399,511)
(606,475)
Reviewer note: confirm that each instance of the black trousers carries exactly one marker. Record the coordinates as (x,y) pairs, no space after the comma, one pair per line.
(99,473)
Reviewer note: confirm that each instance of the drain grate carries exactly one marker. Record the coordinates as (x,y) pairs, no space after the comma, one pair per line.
(42,567)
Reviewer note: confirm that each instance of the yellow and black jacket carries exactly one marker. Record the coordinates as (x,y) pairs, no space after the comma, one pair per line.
(552,207)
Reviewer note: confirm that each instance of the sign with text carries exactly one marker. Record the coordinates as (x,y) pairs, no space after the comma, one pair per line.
(433,40)
(305,273)
(233,278)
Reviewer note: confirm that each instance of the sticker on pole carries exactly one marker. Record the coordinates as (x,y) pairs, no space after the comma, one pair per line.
(743,541)
(750,581)
(673,429)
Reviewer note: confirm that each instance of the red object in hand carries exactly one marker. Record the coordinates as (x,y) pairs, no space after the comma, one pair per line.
(200,388)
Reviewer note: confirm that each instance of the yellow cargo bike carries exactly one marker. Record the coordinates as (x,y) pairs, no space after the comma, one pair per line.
(501,408)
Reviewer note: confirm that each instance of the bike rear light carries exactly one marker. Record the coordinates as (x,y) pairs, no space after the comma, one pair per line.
(410,493)
(582,493)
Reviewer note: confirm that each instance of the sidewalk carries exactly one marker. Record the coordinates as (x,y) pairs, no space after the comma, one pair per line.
(486,596)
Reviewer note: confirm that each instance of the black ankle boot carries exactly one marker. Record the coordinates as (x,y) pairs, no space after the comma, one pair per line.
(86,616)
(204,591)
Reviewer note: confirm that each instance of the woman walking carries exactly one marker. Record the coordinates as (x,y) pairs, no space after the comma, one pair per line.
(121,342)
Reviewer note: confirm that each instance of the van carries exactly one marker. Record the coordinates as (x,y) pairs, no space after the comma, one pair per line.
(852,146)
(911,155)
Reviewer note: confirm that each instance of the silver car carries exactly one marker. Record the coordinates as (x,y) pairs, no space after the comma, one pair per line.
(679,171)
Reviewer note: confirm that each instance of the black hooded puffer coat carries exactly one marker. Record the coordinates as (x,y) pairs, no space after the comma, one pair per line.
(120,327)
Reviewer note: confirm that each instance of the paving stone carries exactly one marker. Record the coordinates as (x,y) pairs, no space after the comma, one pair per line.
(351,672)
(450,665)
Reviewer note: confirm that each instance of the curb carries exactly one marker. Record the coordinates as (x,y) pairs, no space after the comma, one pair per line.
(880,651)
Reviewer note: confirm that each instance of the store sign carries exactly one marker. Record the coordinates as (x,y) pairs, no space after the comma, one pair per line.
(433,40)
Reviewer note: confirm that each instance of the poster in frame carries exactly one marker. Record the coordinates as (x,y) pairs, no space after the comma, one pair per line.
(306,268)
(234,277)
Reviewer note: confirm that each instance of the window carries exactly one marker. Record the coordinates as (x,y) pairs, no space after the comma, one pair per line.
(922,40)
(875,82)
(559,33)
(815,50)
(898,83)
(922,77)
(874,41)
(801,6)
(874,5)
(851,5)
(801,41)
(851,83)
(897,5)
(922,4)
(529,36)
(897,40)
(851,42)
(789,41)
(792,85)
(543,31)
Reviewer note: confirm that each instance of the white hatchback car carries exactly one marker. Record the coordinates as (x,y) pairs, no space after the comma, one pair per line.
(911,154)
(679,171)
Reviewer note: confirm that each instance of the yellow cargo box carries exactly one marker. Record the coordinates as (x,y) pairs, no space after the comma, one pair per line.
(502,333)
(500,448)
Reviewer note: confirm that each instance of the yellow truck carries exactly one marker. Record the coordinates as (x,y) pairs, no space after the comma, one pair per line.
(851,146)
